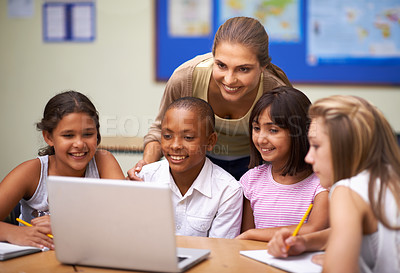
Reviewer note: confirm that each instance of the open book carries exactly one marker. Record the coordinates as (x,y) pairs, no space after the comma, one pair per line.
(295,264)
(8,251)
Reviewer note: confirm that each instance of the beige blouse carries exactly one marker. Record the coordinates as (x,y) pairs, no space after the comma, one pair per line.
(192,79)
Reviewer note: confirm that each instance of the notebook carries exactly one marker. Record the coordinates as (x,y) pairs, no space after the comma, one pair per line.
(296,264)
(8,251)
(116,224)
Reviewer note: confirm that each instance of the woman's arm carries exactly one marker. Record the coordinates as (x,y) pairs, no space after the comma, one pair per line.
(318,220)
(179,85)
(152,153)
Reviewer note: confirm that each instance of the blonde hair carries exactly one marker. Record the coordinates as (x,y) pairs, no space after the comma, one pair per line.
(361,139)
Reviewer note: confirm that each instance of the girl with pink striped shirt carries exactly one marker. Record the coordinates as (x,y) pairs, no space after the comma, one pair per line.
(280,185)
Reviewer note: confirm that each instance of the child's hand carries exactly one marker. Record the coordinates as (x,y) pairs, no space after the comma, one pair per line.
(43,222)
(318,259)
(243,236)
(278,246)
(132,173)
(30,236)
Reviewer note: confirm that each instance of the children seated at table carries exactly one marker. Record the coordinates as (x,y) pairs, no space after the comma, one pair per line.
(354,152)
(207,199)
(281,185)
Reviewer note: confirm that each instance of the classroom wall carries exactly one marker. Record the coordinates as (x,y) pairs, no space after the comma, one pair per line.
(115,71)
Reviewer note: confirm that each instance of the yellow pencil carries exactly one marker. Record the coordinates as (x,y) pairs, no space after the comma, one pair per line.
(301,223)
(29,225)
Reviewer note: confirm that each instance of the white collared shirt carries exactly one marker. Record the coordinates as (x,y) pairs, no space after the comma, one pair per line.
(212,207)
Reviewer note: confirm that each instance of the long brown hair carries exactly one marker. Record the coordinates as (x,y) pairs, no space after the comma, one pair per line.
(362,139)
(288,108)
(250,33)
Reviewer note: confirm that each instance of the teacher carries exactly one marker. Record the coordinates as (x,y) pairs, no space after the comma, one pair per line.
(230,79)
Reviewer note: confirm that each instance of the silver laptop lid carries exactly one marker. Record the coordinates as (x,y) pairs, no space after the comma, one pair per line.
(113,223)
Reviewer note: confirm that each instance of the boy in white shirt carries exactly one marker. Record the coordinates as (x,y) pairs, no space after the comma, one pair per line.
(207,199)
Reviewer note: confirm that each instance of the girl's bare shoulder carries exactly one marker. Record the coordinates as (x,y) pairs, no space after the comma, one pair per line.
(28,169)
(25,177)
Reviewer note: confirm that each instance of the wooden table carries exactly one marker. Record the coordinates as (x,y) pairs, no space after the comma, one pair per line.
(224,257)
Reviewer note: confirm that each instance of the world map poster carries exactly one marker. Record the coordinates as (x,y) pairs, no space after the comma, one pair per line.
(281,18)
(353,31)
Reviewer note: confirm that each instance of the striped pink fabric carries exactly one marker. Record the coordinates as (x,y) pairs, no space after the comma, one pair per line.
(274,204)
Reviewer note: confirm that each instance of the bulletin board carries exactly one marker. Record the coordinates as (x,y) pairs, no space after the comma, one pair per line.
(292,57)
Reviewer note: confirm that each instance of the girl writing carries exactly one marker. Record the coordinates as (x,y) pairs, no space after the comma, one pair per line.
(280,186)
(70,127)
(354,152)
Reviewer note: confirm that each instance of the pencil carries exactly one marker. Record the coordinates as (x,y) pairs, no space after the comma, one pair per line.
(301,223)
(29,225)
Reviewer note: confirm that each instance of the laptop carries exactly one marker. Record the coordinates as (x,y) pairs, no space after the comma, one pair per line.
(117,224)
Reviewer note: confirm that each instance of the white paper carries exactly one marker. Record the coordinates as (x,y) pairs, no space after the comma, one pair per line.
(296,264)
(8,251)
(6,247)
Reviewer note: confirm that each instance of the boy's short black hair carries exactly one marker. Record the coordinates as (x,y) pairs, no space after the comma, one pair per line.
(202,109)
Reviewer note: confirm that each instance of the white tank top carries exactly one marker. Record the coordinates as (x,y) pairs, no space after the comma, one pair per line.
(38,202)
(380,251)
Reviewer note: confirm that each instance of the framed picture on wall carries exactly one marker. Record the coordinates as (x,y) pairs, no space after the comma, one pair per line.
(69,22)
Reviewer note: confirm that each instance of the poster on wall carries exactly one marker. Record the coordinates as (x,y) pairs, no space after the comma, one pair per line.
(342,31)
(20,8)
(189,18)
(280,18)
(69,21)
(312,41)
